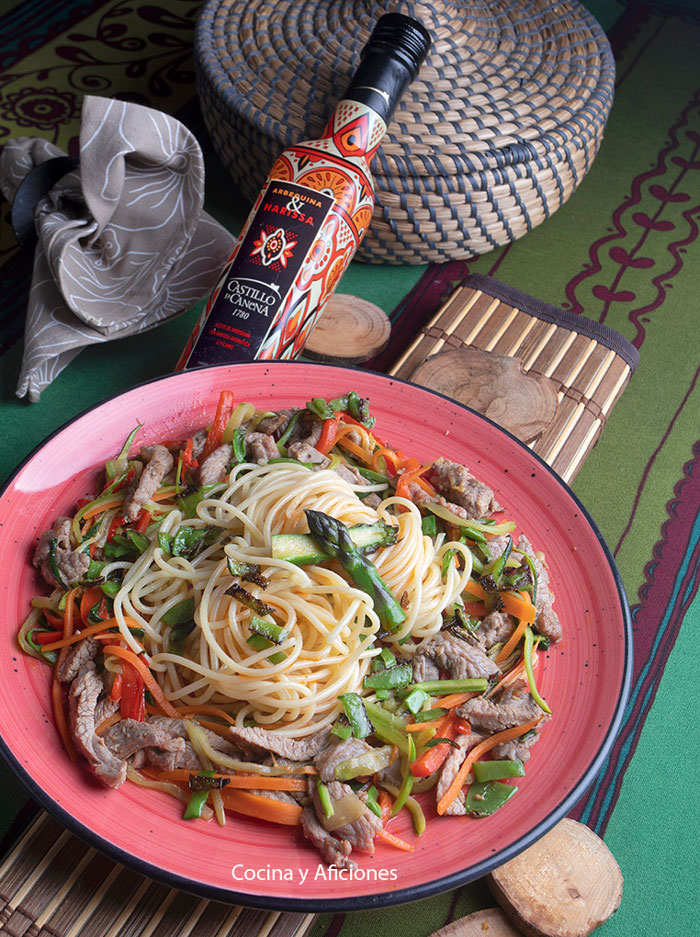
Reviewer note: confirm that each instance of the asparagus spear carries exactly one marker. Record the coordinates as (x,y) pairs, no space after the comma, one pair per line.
(335,540)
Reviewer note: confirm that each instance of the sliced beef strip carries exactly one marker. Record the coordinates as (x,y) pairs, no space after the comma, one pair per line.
(83,697)
(105,708)
(351,474)
(459,657)
(260,448)
(162,742)
(516,749)
(303,452)
(459,486)
(213,468)
(513,707)
(264,740)
(72,566)
(198,442)
(308,429)
(76,658)
(360,833)
(335,753)
(159,463)
(130,736)
(275,425)
(333,851)
(547,621)
(451,766)
(495,628)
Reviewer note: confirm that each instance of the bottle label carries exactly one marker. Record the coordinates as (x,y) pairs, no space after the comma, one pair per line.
(254,289)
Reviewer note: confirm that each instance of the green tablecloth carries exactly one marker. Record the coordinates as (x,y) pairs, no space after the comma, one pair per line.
(624,250)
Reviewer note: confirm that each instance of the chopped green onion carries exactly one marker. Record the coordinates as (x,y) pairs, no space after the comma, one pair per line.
(258,643)
(528,646)
(372,802)
(268,629)
(445,687)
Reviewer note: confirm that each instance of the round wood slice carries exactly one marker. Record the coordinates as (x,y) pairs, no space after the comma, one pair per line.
(350,330)
(566,885)
(495,385)
(489,923)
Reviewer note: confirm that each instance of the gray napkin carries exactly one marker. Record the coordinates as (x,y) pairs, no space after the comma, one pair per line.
(123,241)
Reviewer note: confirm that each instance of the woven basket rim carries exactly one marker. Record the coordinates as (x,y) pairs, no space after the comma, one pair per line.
(430,154)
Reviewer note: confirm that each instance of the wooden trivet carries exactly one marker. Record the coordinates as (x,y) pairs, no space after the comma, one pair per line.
(350,331)
(566,885)
(53,885)
(587,364)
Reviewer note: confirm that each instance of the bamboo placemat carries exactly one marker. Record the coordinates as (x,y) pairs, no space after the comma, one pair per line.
(54,885)
(588,364)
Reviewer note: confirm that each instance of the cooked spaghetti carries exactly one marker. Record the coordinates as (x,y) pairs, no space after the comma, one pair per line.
(286,586)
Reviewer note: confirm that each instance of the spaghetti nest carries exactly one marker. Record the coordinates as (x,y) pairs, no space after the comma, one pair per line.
(328,624)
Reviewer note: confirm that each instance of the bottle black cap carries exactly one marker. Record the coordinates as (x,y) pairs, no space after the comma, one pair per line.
(401,36)
(389,63)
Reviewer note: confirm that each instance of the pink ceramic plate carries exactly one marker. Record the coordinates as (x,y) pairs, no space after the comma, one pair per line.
(585,679)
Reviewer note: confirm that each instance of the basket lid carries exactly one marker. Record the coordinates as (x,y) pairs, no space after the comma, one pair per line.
(505,82)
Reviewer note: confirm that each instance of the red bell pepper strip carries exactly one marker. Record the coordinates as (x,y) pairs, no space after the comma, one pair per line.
(90,597)
(189,463)
(328,434)
(47,637)
(223,413)
(117,522)
(143,520)
(133,701)
(432,758)
(115,694)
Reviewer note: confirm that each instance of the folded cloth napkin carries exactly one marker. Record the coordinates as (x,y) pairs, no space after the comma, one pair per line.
(123,241)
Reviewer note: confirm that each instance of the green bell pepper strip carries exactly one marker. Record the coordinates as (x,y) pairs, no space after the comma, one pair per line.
(357,715)
(384,660)
(528,647)
(407,784)
(485,797)
(324,797)
(334,538)
(388,727)
(238,444)
(498,770)
(195,805)
(375,477)
(390,679)
(428,525)
(180,613)
(342,731)
(431,715)
(415,701)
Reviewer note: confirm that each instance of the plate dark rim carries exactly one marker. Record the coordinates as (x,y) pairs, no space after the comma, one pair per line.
(382,899)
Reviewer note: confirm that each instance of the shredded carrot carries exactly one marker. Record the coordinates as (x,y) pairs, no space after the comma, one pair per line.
(517,604)
(162,495)
(351,446)
(265,808)
(394,841)
(114,502)
(222,731)
(512,642)
(419,726)
(391,459)
(59,711)
(146,675)
(90,630)
(453,700)
(208,710)
(475,754)
(109,721)
(242,781)
(513,674)
(386,804)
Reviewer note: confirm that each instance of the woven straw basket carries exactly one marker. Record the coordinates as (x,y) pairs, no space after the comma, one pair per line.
(494,135)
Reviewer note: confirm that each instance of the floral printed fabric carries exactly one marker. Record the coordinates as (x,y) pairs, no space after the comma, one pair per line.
(123,241)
